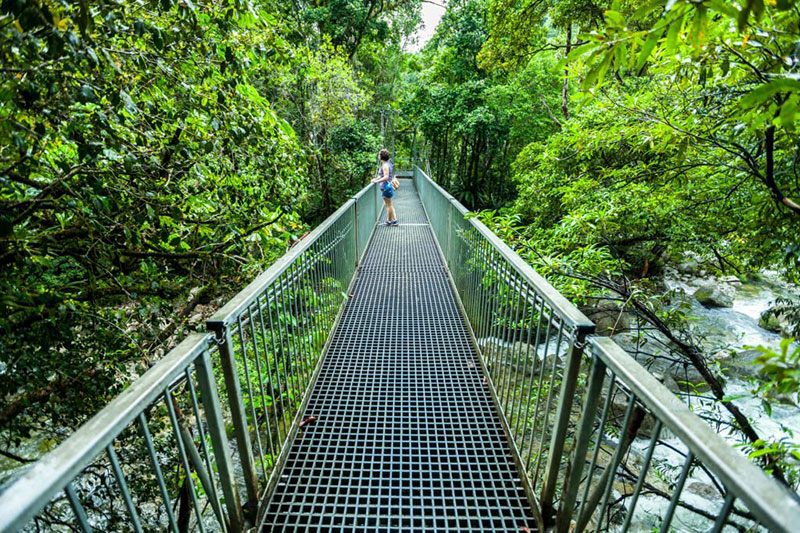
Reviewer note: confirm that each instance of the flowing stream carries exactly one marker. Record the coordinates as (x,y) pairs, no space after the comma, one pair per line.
(729,333)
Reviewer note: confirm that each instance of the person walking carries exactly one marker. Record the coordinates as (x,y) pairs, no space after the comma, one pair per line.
(385,176)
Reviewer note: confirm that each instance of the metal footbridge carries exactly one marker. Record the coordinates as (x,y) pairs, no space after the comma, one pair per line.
(412,378)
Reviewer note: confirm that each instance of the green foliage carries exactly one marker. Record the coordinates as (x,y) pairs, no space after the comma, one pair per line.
(349,23)
(521,29)
(785,310)
(608,181)
(779,384)
(474,123)
(668,149)
(736,62)
(139,160)
(782,369)
(154,158)
(329,112)
(352,148)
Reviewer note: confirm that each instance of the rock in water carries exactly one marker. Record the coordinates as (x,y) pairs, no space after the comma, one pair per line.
(716,294)
(609,317)
(691,263)
(777,319)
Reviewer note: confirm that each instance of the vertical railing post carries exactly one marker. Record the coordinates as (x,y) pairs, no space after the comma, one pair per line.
(219,441)
(449,232)
(355,235)
(582,440)
(568,384)
(236,404)
(414,150)
(378,202)
(455,266)
(355,230)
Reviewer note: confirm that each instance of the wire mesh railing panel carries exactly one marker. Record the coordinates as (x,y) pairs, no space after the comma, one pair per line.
(272,335)
(524,343)
(438,210)
(643,461)
(156,458)
(368,207)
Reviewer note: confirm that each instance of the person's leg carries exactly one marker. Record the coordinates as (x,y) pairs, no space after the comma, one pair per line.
(389,209)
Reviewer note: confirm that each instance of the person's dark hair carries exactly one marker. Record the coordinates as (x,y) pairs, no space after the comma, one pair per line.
(384,155)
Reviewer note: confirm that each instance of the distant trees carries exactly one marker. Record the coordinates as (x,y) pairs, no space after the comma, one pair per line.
(474,122)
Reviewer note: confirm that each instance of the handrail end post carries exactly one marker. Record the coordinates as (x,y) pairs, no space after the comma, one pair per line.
(219,441)
(582,440)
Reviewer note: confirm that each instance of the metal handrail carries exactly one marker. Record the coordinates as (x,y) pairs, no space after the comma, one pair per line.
(482,265)
(766,499)
(491,314)
(510,304)
(566,309)
(331,250)
(29,493)
(233,307)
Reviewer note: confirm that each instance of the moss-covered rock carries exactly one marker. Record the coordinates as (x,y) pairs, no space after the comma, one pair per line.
(716,294)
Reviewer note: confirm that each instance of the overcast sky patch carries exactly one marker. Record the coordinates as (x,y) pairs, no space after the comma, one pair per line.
(431,15)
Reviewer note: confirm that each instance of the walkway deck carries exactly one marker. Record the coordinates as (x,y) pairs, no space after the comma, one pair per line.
(406,437)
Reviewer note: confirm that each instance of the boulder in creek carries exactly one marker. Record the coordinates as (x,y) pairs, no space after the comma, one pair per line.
(690,263)
(713,294)
(738,363)
(608,315)
(777,319)
(704,490)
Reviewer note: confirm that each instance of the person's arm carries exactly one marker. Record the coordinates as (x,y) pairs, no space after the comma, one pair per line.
(385,172)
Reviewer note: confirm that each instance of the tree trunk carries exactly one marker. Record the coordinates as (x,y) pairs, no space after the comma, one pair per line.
(565,86)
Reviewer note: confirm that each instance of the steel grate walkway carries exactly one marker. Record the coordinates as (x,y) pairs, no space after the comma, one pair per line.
(406,437)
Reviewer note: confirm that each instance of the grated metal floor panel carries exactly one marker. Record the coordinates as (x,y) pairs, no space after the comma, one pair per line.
(407,205)
(406,437)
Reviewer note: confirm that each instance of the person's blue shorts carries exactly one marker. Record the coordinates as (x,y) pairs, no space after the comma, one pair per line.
(388,191)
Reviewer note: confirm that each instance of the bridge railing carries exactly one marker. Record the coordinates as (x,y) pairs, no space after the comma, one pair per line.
(593,432)
(159,457)
(160,441)
(272,333)
(638,446)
